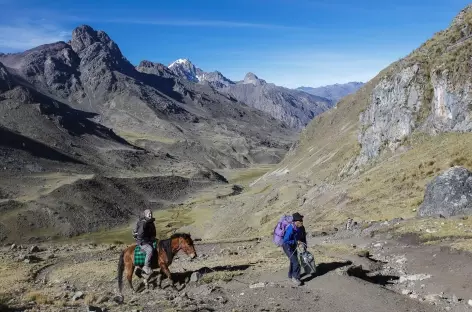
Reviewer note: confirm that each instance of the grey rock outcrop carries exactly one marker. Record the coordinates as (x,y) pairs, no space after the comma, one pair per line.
(157,69)
(391,115)
(449,194)
(429,91)
(216,79)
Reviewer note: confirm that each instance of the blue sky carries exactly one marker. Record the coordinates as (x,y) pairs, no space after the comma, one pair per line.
(288,42)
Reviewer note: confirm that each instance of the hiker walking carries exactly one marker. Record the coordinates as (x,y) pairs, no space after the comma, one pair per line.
(145,235)
(294,236)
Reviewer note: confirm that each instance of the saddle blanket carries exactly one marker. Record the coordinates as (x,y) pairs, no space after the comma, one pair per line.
(140,256)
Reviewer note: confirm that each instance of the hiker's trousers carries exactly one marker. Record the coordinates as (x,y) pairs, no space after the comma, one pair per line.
(292,254)
(148,250)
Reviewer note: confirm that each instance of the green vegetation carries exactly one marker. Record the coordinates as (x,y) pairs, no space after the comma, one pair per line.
(134,137)
(38,297)
(246,176)
(458,232)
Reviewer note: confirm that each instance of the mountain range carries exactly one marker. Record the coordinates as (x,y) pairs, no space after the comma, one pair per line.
(334,92)
(87,138)
(293,107)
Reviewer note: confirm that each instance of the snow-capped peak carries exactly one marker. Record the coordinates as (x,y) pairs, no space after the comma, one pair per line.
(185,69)
(180,61)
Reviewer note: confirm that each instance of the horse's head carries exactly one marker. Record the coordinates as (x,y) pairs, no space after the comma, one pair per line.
(187,246)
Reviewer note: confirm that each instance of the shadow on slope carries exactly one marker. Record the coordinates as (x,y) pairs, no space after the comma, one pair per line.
(17,141)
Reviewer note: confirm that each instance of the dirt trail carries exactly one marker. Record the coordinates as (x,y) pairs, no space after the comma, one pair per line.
(245,276)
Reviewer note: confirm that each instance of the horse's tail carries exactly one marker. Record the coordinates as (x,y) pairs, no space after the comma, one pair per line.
(121,268)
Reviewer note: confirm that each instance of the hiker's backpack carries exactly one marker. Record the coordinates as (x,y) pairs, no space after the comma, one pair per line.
(279,230)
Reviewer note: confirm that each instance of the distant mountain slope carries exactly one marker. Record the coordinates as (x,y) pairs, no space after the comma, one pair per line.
(334,92)
(293,107)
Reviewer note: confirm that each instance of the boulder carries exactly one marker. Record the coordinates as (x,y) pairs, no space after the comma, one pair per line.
(449,194)
(78,295)
(196,276)
(34,249)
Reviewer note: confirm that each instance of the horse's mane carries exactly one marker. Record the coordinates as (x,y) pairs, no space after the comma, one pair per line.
(165,244)
(180,235)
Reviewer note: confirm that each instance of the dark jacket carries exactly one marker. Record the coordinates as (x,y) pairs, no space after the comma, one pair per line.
(145,231)
(302,234)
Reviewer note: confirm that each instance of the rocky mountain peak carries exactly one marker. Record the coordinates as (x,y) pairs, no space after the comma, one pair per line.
(84,36)
(185,69)
(94,46)
(158,69)
(251,78)
(216,79)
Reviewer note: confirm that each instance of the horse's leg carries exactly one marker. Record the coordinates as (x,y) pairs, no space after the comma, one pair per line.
(166,271)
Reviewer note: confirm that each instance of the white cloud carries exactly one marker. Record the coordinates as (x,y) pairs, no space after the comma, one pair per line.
(20,37)
(199,23)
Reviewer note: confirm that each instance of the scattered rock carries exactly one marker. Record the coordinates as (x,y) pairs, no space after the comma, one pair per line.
(103,299)
(118,299)
(78,295)
(432,298)
(195,277)
(13,246)
(414,277)
(455,299)
(34,249)
(406,292)
(257,285)
(470,302)
(93,309)
(414,296)
(363,253)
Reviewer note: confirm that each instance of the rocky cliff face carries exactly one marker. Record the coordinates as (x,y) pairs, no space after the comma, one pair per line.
(429,90)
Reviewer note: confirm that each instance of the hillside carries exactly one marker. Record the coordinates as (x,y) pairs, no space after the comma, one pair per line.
(334,92)
(293,107)
(91,140)
(371,156)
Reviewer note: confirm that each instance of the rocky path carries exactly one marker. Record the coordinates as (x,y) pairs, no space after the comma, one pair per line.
(244,276)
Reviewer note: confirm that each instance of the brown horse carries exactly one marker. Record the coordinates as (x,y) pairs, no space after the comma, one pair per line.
(167,249)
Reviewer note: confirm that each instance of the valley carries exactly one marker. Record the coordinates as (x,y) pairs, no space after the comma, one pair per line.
(88,141)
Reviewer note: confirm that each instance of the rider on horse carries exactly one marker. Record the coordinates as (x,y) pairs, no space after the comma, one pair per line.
(145,235)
